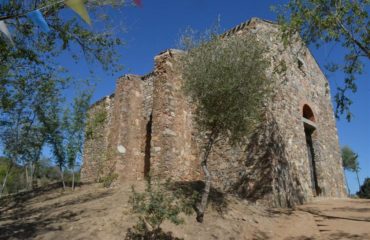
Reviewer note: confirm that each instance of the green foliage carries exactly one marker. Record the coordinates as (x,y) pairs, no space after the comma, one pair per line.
(345,22)
(73,125)
(108,179)
(350,159)
(33,83)
(365,189)
(16,179)
(45,173)
(156,205)
(96,120)
(226,78)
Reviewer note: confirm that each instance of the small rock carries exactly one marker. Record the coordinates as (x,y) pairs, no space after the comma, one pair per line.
(121,149)
(169,132)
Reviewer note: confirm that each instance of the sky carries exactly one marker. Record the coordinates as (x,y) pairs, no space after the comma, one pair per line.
(157,25)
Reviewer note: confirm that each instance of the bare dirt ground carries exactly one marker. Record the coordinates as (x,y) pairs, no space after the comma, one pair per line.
(92,212)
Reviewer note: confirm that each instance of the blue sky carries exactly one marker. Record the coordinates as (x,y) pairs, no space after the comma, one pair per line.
(158,24)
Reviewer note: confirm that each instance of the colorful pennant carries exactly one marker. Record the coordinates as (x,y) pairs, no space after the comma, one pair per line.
(137,3)
(79,7)
(38,19)
(4,29)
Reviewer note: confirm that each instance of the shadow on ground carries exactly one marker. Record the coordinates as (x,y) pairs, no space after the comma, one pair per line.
(217,199)
(150,235)
(318,213)
(21,222)
(335,236)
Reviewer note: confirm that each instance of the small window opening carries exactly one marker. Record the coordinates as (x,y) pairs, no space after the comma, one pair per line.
(148,147)
(307,113)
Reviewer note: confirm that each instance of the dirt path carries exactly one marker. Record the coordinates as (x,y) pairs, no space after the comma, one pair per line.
(341,218)
(92,212)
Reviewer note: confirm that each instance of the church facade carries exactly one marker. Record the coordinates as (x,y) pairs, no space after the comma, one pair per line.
(147,126)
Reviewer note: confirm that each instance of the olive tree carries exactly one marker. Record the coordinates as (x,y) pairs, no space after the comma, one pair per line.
(226,80)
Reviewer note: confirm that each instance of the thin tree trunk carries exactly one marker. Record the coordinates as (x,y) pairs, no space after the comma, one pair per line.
(27,178)
(345,177)
(203,204)
(5,179)
(62,177)
(32,176)
(358,180)
(73,178)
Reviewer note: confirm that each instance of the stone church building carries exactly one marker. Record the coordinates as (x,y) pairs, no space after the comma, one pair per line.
(147,126)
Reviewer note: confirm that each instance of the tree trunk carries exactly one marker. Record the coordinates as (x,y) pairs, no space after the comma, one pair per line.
(345,177)
(62,177)
(33,170)
(203,204)
(73,178)
(5,180)
(27,178)
(358,180)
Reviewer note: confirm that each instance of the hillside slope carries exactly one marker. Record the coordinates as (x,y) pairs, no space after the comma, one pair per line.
(93,212)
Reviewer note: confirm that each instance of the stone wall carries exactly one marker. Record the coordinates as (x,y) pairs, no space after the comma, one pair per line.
(126,142)
(284,158)
(151,128)
(96,159)
(176,142)
(174,153)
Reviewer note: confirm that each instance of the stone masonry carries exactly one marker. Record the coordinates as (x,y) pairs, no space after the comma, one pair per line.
(292,157)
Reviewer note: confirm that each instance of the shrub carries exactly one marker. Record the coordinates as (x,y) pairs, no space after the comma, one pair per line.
(108,179)
(154,206)
(365,189)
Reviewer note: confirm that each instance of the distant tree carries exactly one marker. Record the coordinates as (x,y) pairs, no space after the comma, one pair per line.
(33,146)
(44,172)
(21,133)
(15,179)
(32,81)
(345,22)
(226,79)
(74,123)
(364,191)
(350,161)
(50,117)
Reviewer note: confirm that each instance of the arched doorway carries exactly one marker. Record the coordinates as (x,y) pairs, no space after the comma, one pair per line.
(310,133)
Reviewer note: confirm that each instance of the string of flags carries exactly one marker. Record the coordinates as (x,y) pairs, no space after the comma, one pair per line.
(137,3)
(36,16)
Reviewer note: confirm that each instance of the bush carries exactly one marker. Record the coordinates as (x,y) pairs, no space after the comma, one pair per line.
(154,206)
(108,180)
(365,189)
(95,120)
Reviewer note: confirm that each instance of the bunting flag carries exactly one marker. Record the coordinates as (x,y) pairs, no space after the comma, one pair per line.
(38,19)
(4,29)
(79,7)
(137,3)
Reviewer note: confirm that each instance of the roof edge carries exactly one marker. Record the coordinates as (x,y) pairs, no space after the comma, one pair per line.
(245,24)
